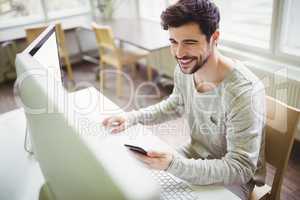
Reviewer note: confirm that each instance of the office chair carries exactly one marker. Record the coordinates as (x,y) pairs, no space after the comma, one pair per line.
(281,124)
(32,33)
(109,54)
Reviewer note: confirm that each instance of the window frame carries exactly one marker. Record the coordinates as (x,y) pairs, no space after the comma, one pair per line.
(282,8)
(44,17)
(274,52)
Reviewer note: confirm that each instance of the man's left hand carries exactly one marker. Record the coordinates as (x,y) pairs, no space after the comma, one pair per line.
(156,160)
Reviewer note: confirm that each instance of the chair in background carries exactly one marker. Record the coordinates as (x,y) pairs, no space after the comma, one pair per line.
(109,54)
(34,32)
(8,51)
(281,126)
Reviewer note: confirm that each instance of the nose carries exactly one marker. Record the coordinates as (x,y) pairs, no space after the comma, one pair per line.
(180,51)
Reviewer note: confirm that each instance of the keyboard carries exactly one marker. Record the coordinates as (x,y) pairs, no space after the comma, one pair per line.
(171,187)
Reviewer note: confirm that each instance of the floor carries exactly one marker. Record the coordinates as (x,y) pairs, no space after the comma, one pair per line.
(147,93)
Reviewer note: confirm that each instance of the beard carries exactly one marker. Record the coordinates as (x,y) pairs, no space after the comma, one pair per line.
(200,63)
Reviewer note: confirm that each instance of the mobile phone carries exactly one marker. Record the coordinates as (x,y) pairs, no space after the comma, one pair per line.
(136,149)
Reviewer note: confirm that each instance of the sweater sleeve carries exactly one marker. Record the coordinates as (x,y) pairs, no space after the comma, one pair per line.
(168,109)
(244,133)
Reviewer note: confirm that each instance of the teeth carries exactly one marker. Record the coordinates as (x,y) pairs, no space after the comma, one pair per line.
(185,61)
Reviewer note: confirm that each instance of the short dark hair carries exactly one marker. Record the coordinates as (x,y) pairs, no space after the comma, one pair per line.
(203,12)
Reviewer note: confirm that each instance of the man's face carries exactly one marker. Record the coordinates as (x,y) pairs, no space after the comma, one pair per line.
(189,47)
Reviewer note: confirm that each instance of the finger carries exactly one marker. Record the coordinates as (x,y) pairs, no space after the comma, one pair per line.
(156,154)
(143,158)
(113,121)
(118,128)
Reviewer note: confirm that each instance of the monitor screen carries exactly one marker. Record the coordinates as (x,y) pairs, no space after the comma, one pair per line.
(47,54)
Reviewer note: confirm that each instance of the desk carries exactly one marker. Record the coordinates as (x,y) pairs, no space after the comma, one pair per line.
(20,173)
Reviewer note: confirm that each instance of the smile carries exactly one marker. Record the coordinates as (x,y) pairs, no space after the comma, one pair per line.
(185,61)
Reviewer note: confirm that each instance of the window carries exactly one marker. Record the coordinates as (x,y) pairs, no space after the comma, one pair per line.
(61,8)
(267,28)
(20,12)
(106,9)
(151,9)
(16,12)
(290,42)
(247,22)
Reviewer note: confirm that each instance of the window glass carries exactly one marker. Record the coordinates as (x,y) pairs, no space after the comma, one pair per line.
(290,42)
(246,22)
(60,8)
(107,9)
(16,12)
(151,9)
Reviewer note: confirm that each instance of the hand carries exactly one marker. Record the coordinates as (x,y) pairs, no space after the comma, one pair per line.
(116,123)
(156,160)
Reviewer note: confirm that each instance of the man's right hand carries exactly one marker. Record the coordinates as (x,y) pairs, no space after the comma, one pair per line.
(115,123)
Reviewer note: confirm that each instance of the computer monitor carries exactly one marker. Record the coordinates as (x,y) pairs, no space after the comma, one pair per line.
(74,165)
(40,51)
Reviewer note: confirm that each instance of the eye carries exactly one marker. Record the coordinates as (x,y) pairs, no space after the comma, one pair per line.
(190,43)
(173,42)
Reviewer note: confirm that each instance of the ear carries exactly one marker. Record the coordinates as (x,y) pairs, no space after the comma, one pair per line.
(215,37)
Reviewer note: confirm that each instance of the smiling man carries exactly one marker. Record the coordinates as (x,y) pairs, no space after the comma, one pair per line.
(223,102)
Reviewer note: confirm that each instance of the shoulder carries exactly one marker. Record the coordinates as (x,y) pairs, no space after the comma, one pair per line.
(242,82)
(243,86)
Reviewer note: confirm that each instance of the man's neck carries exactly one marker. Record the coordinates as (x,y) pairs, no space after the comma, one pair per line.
(213,72)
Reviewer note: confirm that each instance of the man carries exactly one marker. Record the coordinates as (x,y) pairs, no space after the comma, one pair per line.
(221,99)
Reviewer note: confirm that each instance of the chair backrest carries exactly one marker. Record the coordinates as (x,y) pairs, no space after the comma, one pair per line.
(33,32)
(281,126)
(104,38)
(60,35)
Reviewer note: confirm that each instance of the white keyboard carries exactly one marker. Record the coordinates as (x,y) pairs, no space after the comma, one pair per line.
(171,187)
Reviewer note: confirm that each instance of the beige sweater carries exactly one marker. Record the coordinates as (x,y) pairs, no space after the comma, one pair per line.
(227,137)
